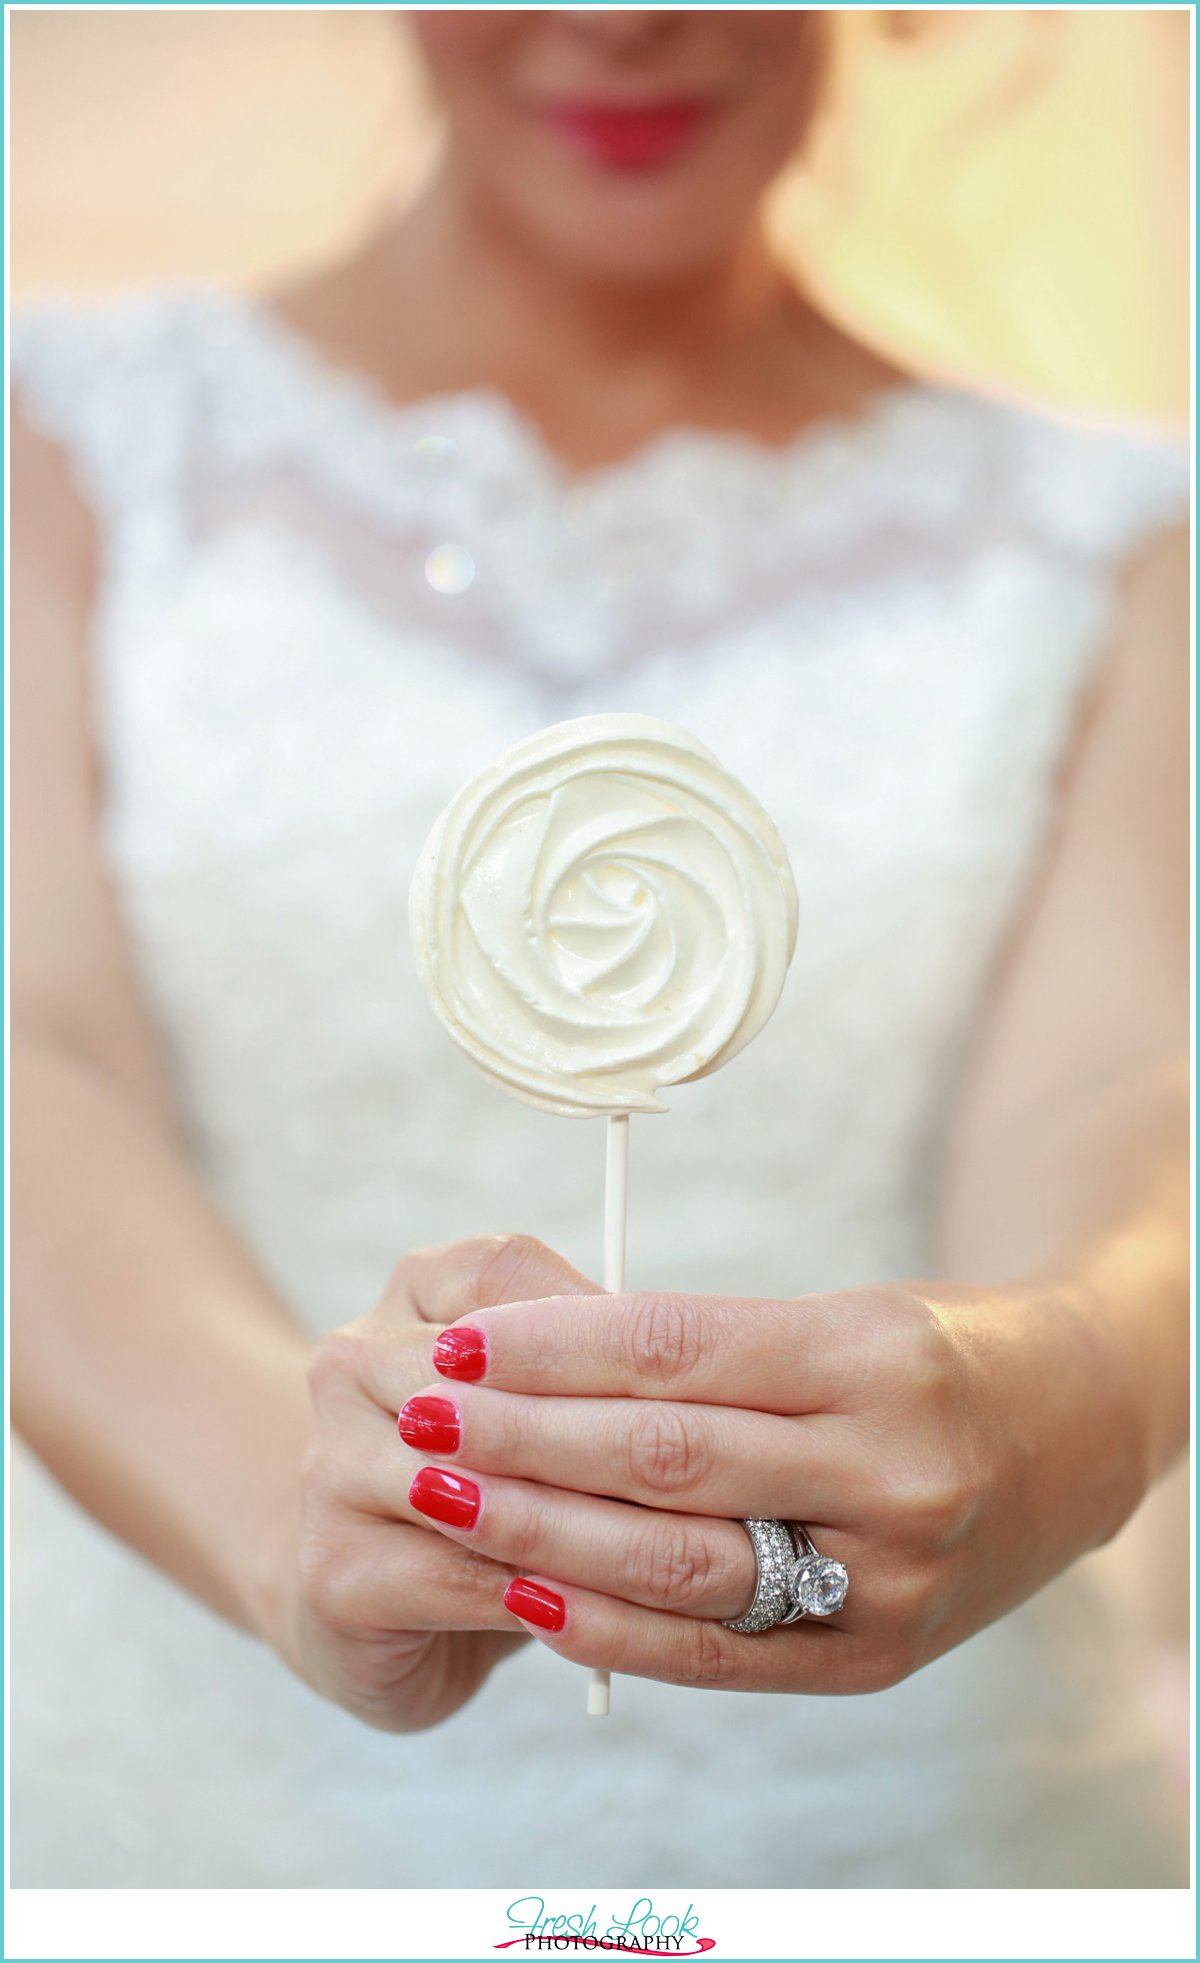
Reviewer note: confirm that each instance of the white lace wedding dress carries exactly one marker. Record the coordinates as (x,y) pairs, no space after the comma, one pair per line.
(319,613)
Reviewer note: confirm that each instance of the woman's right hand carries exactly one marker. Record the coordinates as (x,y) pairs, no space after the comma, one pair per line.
(361,1598)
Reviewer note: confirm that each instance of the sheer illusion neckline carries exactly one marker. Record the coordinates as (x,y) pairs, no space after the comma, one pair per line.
(682,533)
(343,388)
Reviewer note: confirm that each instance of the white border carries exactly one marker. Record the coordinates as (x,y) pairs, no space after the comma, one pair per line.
(447,1923)
(362,1923)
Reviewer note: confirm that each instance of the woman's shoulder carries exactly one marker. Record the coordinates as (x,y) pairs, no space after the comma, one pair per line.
(60,342)
(117,381)
(1089,485)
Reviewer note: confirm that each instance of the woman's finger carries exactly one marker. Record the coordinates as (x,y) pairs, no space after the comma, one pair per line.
(680,1563)
(381,1352)
(783,1357)
(444,1283)
(379,1575)
(685,1458)
(603,1634)
(369,1366)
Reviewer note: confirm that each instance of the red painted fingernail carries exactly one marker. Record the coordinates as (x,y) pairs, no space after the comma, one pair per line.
(445,1496)
(432,1424)
(461,1353)
(536,1604)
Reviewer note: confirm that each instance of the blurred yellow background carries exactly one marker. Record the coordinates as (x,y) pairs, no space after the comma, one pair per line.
(995,194)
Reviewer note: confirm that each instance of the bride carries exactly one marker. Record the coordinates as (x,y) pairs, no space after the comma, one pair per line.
(913,1270)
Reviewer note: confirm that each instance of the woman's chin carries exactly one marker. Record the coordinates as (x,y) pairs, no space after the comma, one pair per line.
(626,247)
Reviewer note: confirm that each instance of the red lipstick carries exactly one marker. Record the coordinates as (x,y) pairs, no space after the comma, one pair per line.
(632,136)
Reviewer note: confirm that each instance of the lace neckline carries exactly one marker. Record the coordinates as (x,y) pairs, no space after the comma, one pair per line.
(442,417)
(591,568)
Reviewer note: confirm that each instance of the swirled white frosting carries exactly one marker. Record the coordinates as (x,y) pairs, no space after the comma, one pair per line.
(603,911)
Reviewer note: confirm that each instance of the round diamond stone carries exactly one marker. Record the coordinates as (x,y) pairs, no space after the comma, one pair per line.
(819,1585)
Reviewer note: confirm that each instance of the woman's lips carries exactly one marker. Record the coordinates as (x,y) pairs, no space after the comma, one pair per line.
(631,136)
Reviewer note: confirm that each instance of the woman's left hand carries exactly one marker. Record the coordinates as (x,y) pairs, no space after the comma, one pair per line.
(955,1450)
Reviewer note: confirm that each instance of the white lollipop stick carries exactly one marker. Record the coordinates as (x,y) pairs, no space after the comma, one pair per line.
(616,1203)
(616,1212)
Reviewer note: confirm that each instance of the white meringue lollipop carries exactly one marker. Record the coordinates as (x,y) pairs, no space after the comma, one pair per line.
(602,912)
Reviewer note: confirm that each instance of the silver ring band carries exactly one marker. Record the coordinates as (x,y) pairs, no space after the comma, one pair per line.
(794,1580)
(803,1548)
(775,1554)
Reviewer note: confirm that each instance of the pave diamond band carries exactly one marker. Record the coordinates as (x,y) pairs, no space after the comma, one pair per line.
(794,1580)
(775,1553)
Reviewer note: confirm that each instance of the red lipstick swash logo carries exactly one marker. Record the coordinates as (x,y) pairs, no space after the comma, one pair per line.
(642,1932)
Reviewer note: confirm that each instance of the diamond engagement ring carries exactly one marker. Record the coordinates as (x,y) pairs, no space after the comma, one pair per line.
(793,1579)
(817,1584)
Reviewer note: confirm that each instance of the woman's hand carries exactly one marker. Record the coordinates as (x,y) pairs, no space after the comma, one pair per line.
(955,1451)
(376,1613)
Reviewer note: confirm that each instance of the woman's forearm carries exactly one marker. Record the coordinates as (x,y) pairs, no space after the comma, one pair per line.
(1096,1195)
(154,1370)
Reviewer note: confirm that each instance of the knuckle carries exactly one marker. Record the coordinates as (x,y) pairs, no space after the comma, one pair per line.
(928,1355)
(864,1329)
(867,1317)
(666,1456)
(663,1340)
(900,1336)
(523,1534)
(408,1276)
(334,1363)
(496,1265)
(915,1599)
(675,1564)
(867,1310)
(328,1584)
(931,1503)
(398,1281)
(482,1580)
(705,1655)
(515,1439)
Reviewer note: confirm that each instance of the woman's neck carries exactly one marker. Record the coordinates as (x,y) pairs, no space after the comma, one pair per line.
(492,274)
(450,298)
